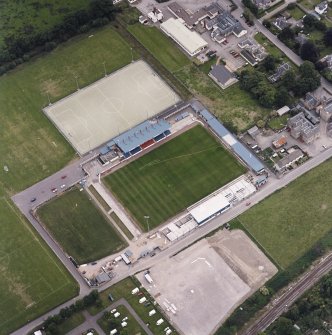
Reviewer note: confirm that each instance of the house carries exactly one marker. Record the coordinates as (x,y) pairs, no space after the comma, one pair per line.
(280,71)
(281,23)
(222,76)
(253,52)
(326,110)
(302,128)
(262,4)
(321,8)
(310,101)
(223,25)
(191,19)
(188,40)
(280,142)
(327,61)
(102,278)
(288,160)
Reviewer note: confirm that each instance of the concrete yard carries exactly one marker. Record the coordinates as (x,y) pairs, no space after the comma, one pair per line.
(110,106)
(202,285)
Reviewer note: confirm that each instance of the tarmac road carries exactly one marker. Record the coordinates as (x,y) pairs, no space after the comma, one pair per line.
(288,298)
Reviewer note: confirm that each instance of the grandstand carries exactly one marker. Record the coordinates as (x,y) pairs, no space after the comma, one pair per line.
(223,133)
(138,138)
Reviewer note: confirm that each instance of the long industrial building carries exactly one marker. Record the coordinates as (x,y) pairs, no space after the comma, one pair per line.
(188,40)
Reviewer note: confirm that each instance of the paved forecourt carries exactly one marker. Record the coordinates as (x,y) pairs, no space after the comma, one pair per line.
(110,106)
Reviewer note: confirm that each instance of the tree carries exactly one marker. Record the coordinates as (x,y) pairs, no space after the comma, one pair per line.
(328,37)
(283,326)
(309,51)
(309,22)
(282,97)
(286,34)
(269,63)
(288,80)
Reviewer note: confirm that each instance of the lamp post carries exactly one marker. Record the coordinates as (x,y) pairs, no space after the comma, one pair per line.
(105,69)
(147,217)
(76,77)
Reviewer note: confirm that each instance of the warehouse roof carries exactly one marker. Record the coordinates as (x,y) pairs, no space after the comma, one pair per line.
(189,40)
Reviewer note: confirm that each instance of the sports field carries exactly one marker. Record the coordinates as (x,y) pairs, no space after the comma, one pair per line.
(160,46)
(289,222)
(79,227)
(32,280)
(173,176)
(110,106)
(26,133)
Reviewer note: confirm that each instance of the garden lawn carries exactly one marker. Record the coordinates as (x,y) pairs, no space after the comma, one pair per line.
(292,220)
(172,177)
(79,227)
(32,279)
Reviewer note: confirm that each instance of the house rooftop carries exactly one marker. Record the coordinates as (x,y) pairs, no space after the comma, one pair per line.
(221,74)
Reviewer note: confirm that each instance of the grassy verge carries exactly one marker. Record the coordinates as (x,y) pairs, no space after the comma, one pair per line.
(123,290)
(99,198)
(71,323)
(110,322)
(80,228)
(236,108)
(122,226)
(173,176)
(33,280)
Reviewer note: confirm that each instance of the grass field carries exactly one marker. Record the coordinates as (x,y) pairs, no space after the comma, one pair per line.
(289,222)
(173,176)
(132,328)
(160,46)
(32,280)
(26,135)
(80,227)
(279,122)
(30,17)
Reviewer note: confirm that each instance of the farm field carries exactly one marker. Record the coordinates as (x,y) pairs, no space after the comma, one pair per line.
(160,46)
(30,17)
(26,133)
(173,176)
(32,279)
(291,221)
(79,227)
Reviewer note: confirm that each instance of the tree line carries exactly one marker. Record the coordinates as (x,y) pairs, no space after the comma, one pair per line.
(18,49)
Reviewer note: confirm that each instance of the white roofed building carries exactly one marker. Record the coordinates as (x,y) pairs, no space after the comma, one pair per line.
(210,208)
(189,40)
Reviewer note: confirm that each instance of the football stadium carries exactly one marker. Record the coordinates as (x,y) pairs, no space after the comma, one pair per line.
(93,115)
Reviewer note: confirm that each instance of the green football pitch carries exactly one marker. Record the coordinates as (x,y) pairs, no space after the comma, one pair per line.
(32,280)
(173,176)
(80,228)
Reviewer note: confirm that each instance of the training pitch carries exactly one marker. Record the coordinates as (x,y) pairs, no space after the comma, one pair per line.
(174,176)
(110,106)
(202,285)
(79,227)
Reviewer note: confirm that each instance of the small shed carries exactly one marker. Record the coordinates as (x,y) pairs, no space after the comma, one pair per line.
(253,132)
(283,110)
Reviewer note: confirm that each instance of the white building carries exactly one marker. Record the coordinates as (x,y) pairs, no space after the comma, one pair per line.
(321,8)
(188,40)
